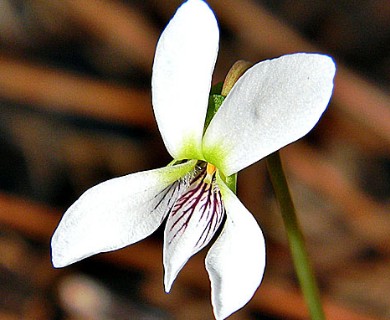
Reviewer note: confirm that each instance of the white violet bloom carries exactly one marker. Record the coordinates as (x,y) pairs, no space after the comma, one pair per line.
(273,104)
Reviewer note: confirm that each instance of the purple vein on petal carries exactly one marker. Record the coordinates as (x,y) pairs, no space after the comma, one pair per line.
(199,206)
(168,196)
(215,211)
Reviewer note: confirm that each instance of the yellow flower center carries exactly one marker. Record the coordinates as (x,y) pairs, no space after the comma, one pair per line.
(210,170)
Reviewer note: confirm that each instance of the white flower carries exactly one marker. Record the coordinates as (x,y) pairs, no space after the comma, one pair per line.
(273,104)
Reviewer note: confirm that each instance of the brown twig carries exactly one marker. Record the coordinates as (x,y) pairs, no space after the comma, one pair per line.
(121,27)
(57,90)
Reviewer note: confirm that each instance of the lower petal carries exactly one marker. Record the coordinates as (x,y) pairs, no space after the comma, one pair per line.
(236,260)
(117,213)
(192,223)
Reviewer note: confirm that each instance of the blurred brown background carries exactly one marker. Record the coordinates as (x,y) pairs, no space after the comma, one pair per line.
(75,110)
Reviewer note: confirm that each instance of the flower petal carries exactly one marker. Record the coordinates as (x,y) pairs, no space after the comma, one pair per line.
(192,223)
(181,80)
(273,104)
(117,213)
(236,260)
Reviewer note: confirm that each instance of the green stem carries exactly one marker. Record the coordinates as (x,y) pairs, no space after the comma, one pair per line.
(295,237)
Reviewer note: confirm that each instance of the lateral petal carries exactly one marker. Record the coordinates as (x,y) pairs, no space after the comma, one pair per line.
(274,103)
(235,263)
(192,223)
(181,79)
(117,213)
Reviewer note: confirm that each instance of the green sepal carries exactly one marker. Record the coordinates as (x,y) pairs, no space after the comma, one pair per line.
(231,182)
(215,101)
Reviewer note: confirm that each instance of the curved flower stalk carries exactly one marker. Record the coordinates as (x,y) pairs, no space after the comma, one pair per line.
(273,104)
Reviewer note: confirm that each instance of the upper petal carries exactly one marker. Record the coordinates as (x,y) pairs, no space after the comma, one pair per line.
(236,260)
(273,104)
(116,213)
(181,80)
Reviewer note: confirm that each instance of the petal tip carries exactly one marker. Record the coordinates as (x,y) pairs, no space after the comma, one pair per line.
(57,263)
(57,257)
(58,260)
(329,64)
(169,276)
(168,281)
